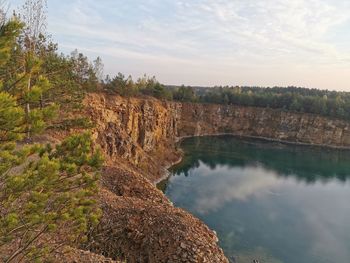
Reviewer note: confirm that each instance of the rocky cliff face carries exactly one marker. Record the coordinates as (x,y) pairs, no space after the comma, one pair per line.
(133,131)
(200,119)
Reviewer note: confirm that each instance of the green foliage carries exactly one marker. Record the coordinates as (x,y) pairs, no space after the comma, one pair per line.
(23,78)
(11,118)
(46,193)
(144,86)
(44,82)
(51,194)
(322,102)
(9,32)
(185,94)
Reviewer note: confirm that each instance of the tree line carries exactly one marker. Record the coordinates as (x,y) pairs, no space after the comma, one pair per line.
(295,99)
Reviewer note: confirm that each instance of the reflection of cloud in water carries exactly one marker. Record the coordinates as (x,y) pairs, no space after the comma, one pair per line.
(326,215)
(325,240)
(253,205)
(234,184)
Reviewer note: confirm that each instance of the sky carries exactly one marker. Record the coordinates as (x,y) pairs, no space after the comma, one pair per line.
(211,42)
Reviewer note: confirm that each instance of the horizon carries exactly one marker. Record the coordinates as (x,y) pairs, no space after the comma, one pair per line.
(211,43)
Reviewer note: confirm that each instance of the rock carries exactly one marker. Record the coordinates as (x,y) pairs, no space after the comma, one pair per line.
(182,245)
(133,227)
(73,255)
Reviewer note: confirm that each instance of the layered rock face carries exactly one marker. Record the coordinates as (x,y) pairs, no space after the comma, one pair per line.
(208,119)
(139,131)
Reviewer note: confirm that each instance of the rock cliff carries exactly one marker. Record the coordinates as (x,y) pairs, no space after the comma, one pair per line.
(139,223)
(208,119)
(140,132)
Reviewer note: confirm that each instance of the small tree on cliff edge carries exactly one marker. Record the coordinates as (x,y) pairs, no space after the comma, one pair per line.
(22,74)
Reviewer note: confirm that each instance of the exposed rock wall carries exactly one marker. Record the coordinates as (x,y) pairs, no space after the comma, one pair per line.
(203,119)
(137,131)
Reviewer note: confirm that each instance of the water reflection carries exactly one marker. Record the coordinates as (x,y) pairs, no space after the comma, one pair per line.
(309,164)
(267,201)
(234,184)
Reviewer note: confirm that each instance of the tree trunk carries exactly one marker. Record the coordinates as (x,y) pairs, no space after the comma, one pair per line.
(28,106)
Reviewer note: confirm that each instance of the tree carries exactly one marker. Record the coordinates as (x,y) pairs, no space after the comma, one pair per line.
(9,31)
(98,68)
(185,94)
(34,18)
(83,72)
(2,13)
(47,202)
(22,74)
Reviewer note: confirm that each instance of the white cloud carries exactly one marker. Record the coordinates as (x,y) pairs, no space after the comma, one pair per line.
(235,184)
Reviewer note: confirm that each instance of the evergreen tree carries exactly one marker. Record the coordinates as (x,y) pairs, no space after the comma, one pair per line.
(22,73)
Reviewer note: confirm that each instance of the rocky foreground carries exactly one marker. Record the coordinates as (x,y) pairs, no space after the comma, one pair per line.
(140,224)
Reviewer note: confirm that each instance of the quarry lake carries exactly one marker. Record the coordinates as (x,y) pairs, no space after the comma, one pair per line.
(267,201)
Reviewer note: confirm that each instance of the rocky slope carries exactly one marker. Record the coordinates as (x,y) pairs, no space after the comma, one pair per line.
(141,225)
(138,137)
(136,132)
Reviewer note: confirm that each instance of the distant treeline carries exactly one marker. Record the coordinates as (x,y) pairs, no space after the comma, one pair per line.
(323,102)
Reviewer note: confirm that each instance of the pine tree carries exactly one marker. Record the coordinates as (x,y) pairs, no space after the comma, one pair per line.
(49,201)
(22,73)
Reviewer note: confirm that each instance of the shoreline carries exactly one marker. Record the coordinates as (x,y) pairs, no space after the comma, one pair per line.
(179,139)
(166,168)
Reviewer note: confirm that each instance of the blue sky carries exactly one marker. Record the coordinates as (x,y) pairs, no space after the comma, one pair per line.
(211,42)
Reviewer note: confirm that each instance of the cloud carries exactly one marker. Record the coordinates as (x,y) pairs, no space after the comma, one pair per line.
(235,184)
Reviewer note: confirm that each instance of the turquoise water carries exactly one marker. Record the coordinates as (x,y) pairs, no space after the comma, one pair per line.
(267,201)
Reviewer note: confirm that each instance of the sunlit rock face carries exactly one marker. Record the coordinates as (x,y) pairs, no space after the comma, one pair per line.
(140,132)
